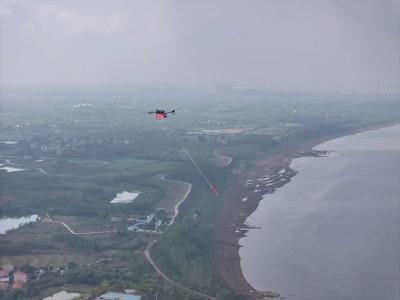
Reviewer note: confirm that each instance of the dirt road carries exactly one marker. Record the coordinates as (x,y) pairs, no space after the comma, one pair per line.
(50,220)
(159,272)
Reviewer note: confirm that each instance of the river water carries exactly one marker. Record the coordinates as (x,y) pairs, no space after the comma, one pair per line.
(333,232)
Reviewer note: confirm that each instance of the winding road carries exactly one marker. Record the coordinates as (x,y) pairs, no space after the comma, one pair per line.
(176,207)
(149,246)
(50,220)
(162,274)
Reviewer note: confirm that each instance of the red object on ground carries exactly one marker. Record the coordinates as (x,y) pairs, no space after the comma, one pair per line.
(213,190)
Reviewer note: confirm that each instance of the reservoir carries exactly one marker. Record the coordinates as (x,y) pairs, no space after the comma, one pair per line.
(333,232)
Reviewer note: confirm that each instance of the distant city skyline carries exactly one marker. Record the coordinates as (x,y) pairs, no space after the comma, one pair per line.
(307,45)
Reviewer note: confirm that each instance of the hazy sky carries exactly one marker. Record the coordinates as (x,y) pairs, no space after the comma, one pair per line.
(279,44)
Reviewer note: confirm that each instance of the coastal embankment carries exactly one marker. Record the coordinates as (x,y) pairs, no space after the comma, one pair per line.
(241,200)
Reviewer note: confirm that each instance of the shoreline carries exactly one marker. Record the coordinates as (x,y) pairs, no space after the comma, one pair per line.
(245,193)
(243,201)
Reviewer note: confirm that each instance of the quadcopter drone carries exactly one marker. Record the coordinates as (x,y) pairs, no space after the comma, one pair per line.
(160,113)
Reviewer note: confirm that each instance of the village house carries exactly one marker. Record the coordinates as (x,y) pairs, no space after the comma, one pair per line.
(3,275)
(18,279)
(9,278)
(20,276)
(4,279)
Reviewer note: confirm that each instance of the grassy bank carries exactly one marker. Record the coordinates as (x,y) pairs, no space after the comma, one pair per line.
(185,250)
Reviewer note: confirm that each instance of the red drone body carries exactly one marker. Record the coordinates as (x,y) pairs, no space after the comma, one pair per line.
(160,114)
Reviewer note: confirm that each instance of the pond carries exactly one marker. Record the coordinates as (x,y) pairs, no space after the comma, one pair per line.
(7,224)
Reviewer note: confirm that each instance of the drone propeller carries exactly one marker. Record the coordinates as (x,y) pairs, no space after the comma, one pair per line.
(160,111)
